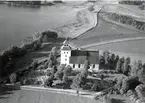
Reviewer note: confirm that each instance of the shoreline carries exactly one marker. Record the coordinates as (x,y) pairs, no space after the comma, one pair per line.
(85,20)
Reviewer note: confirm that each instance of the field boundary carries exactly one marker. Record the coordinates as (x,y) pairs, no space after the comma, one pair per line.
(60,91)
(113,41)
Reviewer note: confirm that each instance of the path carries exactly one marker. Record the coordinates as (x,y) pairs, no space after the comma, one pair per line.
(113,41)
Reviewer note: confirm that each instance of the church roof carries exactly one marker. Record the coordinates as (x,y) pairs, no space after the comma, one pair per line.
(79,57)
(65,48)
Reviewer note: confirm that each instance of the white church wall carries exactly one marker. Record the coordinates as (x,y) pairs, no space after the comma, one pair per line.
(65,56)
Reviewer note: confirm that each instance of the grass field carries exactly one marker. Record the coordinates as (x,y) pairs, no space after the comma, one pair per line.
(9,95)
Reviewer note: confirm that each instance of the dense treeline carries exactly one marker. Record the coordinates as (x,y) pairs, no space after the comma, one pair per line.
(132,2)
(110,61)
(26,2)
(126,20)
(9,57)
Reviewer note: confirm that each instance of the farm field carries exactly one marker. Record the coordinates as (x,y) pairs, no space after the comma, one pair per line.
(127,10)
(135,49)
(106,31)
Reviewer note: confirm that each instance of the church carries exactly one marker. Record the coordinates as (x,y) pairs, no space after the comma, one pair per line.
(76,58)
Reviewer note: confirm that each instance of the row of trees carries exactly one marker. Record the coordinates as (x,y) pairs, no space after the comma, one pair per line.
(131,2)
(127,20)
(110,61)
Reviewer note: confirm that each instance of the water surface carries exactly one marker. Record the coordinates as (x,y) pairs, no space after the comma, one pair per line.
(17,23)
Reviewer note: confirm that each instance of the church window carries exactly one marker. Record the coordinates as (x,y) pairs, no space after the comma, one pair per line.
(73,65)
(94,66)
(79,66)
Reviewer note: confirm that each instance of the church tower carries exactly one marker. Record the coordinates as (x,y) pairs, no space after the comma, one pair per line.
(65,53)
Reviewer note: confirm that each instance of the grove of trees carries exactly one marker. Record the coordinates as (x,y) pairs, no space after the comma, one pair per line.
(131,2)
(127,20)
(110,61)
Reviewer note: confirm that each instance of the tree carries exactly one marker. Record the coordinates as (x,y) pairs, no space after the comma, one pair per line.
(53,70)
(52,57)
(86,65)
(122,64)
(59,74)
(139,65)
(126,67)
(76,81)
(84,72)
(134,69)
(67,71)
(118,66)
(101,62)
(65,78)
(13,78)
(106,57)
(141,74)
(101,76)
(81,78)
(54,51)
(111,61)
(129,83)
(50,34)
(122,59)
(116,60)
(50,64)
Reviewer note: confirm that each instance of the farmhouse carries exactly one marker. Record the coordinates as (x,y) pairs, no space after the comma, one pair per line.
(76,58)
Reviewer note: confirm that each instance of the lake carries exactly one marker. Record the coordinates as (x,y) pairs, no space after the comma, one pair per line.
(17,23)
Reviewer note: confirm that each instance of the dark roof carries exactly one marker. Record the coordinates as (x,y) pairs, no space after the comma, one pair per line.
(65,48)
(78,53)
(79,57)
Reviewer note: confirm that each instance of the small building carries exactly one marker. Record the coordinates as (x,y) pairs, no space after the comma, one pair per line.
(76,58)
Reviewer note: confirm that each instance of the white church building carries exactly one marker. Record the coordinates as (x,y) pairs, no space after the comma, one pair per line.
(76,58)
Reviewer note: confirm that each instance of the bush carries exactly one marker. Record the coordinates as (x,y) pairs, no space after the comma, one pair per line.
(129,84)
(97,87)
(67,71)
(101,85)
(49,81)
(101,76)
(49,34)
(74,72)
